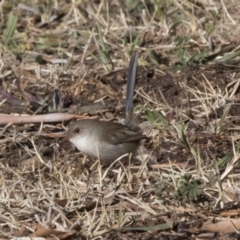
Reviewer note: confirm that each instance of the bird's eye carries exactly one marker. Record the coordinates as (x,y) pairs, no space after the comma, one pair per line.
(77,130)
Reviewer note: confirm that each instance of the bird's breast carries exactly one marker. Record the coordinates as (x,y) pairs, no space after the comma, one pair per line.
(84,144)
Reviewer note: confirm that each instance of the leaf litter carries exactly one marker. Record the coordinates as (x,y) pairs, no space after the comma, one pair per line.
(71,59)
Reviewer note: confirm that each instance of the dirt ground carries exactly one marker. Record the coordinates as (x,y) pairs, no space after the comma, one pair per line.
(72,58)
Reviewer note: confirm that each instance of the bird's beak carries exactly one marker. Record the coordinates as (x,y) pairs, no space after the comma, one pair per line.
(66,135)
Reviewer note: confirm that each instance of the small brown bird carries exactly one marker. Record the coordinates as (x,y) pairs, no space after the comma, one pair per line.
(104,140)
(108,140)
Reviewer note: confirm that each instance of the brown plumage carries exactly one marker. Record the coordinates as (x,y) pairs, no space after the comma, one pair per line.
(105,140)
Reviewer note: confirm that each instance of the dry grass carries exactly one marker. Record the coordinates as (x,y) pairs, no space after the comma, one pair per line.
(72,56)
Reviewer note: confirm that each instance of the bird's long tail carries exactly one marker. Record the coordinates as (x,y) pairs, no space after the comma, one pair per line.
(132,73)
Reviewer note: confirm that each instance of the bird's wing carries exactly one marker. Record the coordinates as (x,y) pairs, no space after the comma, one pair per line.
(125,134)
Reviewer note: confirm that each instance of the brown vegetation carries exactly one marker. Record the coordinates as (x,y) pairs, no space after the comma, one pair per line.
(70,59)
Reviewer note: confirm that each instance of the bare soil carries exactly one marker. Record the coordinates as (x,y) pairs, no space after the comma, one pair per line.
(73,58)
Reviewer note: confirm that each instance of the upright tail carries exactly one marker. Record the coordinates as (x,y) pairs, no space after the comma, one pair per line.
(132,73)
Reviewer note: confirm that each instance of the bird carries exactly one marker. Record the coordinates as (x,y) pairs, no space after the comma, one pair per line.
(108,140)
